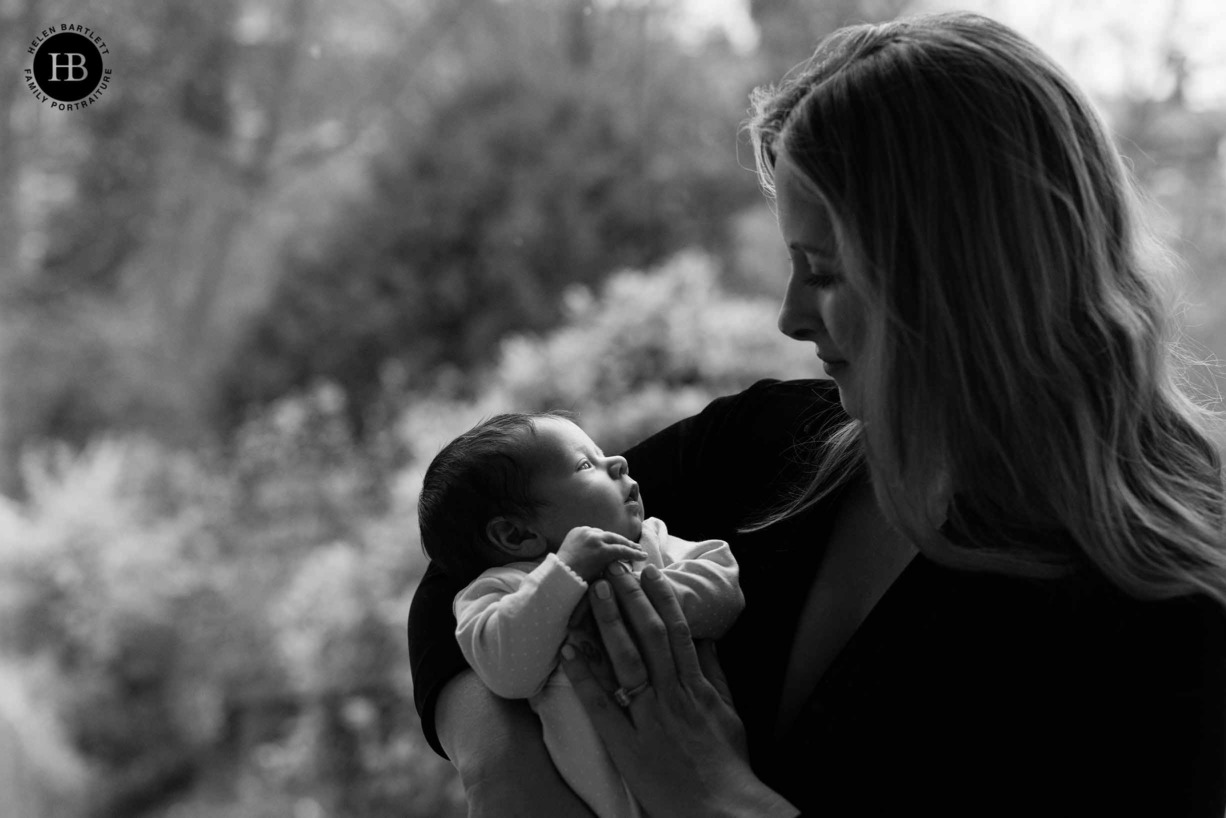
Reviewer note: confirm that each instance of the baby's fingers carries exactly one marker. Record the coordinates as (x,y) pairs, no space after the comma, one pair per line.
(613,538)
(668,608)
(625,553)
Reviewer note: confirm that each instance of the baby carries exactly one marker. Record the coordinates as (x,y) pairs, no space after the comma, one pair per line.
(528,511)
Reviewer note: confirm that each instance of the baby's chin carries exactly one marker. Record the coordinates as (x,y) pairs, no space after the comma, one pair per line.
(634,530)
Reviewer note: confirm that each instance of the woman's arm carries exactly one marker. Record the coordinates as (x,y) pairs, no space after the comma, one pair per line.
(496,746)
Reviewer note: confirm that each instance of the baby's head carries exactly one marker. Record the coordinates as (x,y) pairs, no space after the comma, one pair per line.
(512,487)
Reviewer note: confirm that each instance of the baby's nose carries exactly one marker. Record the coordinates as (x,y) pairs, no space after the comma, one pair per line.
(618,467)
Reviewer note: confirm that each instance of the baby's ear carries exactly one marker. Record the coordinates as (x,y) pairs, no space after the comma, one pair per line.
(512,536)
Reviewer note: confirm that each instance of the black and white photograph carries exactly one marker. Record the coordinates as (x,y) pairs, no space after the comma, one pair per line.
(612,408)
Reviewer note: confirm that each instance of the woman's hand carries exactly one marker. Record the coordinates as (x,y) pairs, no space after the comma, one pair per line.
(677,742)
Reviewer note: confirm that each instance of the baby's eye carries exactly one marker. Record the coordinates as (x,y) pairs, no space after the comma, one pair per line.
(584,464)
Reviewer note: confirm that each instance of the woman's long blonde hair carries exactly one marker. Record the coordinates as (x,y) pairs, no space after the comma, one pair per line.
(1023,359)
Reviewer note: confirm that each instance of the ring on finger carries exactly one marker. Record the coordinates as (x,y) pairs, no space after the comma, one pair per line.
(624,695)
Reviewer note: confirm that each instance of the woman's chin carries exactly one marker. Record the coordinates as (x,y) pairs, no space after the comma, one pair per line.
(848,399)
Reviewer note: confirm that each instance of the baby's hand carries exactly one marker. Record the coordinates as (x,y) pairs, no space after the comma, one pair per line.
(588,550)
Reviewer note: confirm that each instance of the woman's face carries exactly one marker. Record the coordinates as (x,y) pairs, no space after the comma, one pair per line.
(820,305)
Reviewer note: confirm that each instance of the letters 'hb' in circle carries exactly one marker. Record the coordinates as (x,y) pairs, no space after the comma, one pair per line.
(67,67)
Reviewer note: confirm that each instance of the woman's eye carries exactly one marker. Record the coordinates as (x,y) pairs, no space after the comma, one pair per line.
(813,271)
(821,281)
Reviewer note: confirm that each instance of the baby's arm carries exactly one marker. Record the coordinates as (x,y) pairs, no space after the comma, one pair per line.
(704,576)
(510,625)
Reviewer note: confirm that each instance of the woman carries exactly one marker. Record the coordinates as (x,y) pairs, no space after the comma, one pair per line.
(1001,590)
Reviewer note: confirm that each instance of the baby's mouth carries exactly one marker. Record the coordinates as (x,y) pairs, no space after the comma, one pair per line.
(634,494)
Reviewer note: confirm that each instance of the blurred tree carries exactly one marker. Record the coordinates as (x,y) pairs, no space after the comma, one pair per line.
(790,30)
(205,631)
(119,325)
(1176,152)
(573,141)
(41,775)
(19,16)
(102,581)
(580,138)
(99,314)
(644,350)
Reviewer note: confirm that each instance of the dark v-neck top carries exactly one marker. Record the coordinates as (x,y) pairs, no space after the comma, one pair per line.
(960,694)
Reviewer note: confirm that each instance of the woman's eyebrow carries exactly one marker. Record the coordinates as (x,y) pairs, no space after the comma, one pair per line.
(810,249)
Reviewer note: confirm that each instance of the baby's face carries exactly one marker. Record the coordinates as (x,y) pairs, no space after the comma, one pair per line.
(580,485)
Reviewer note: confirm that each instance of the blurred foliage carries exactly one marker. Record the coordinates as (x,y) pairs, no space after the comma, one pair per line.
(791,29)
(297,248)
(243,613)
(649,349)
(202,617)
(602,148)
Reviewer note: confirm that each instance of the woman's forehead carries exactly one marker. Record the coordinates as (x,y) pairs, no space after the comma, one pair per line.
(804,217)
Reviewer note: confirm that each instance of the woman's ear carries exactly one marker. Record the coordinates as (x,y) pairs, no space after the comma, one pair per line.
(514,537)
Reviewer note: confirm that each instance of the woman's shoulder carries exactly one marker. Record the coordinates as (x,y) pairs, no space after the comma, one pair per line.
(769,415)
(698,473)
(777,411)
(806,400)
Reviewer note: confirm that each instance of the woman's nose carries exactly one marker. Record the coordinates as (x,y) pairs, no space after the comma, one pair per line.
(796,318)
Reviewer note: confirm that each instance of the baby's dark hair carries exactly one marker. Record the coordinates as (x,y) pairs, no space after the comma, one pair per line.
(476,477)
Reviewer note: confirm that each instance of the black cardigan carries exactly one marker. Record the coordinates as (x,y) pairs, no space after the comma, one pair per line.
(961,693)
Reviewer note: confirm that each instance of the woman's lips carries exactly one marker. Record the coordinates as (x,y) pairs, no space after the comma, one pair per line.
(832,366)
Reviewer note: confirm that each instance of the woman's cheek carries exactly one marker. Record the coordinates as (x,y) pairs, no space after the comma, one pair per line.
(844,318)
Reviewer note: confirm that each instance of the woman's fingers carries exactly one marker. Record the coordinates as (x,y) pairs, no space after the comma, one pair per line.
(586,640)
(628,664)
(664,602)
(681,753)
(644,629)
(650,636)
(608,717)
